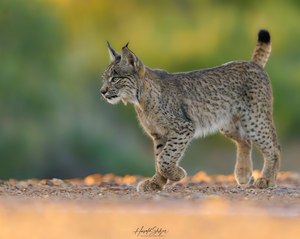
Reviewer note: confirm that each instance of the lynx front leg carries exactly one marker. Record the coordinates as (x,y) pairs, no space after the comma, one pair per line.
(169,158)
(157,182)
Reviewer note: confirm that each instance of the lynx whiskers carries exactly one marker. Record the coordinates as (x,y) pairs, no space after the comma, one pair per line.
(174,108)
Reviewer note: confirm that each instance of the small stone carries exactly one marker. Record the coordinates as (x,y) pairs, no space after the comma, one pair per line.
(57,182)
(49,183)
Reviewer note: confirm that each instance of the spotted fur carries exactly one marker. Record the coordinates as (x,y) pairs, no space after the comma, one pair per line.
(174,108)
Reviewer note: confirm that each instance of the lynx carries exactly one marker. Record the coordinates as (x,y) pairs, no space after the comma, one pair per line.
(175,108)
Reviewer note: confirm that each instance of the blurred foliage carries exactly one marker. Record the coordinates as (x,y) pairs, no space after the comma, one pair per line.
(53,52)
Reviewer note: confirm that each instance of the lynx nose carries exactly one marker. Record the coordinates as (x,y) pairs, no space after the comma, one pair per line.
(103,90)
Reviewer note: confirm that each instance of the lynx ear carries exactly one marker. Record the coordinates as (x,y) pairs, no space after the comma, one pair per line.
(129,58)
(113,55)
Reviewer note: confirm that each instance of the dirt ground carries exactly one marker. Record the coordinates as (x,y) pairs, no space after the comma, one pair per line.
(107,206)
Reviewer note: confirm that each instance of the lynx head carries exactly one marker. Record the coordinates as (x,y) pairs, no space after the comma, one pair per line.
(121,78)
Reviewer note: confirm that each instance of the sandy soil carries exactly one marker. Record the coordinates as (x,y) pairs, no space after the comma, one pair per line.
(107,206)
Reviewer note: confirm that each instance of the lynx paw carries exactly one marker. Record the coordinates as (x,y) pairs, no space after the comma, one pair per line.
(264,183)
(148,186)
(245,181)
(174,174)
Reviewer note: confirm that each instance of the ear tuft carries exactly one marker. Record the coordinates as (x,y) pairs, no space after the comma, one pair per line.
(126,46)
(113,55)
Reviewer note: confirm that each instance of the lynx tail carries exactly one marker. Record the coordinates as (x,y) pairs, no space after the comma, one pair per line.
(263,48)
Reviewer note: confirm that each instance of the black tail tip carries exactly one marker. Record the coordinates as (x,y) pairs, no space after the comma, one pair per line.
(264,36)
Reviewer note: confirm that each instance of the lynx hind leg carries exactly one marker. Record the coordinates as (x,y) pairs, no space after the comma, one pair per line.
(262,133)
(243,166)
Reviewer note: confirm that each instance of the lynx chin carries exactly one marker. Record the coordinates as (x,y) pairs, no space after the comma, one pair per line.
(174,108)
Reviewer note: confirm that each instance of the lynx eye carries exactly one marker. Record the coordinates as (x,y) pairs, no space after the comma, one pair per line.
(114,80)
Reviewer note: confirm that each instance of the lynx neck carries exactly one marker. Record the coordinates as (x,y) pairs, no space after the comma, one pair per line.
(149,90)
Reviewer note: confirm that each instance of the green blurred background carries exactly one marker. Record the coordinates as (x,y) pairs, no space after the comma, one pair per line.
(52,54)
